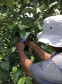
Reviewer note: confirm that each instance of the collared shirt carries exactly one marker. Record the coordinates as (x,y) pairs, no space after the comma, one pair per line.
(48,71)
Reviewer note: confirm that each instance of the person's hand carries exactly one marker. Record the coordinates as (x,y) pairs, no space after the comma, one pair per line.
(20,45)
(31,44)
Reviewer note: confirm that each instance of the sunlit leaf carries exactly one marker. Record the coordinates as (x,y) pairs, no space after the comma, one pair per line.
(14,69)
(21,27)
(21,81)
(32,58)
(28,81)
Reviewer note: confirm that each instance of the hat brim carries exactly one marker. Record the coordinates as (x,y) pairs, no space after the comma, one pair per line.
(50,39)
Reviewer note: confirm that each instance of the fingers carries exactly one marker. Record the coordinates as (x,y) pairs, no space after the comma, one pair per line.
(27,42)
(19,40)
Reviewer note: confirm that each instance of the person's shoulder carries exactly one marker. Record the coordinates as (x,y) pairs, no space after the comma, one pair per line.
(56,54)
(57,59)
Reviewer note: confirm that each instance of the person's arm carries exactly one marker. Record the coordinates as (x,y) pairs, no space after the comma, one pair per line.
(42,54)
(25,62)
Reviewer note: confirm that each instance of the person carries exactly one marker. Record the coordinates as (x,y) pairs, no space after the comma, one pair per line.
(49,70)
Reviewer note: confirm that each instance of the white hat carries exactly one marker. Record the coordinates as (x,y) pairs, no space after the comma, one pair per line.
(52,31)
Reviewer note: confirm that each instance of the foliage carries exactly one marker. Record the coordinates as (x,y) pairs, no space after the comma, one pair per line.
(16,18)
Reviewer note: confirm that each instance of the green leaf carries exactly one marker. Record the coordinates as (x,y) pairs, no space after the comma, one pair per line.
(15,15)
(28,81)
(11,26)
(16,76)
(26,1)
(21,80)
(9,3)
(22,33)
(5,58)
(3,9)
(13,49)
(1,81)
(21,27)
(4,73)
(14,69)
(29,10)
(1,50)
(32,58)
(28,21)
(5,66)
(5,21)
(39,24)
(52,4)
(13,54)
(0,58)
(13,40)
